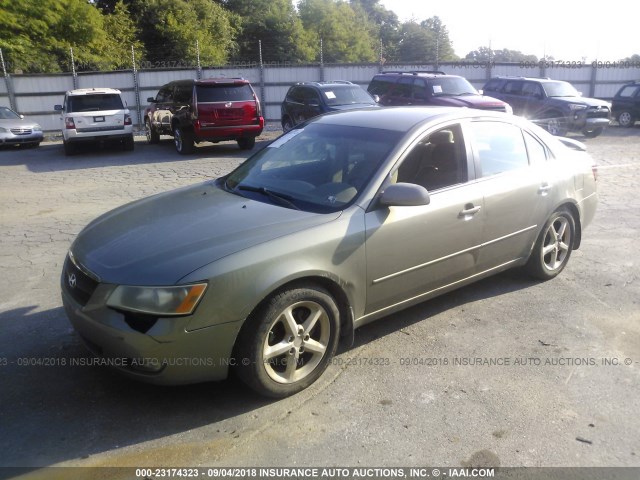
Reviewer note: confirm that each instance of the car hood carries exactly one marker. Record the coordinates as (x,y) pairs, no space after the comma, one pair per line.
(160,239)
(17,123)
(470,101)
(590,102)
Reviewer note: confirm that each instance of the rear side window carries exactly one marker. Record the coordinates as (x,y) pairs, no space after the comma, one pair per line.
(224,93)
(629,91)
(380,85)
(499,146)
(97,102)
(492,85)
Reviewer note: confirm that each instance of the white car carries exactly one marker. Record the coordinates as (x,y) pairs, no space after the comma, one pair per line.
(95,115)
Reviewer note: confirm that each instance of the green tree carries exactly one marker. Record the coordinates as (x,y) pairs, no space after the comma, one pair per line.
(277,25)
(345,34)
(121,30)
(486,54)
(169,30)
(385,26)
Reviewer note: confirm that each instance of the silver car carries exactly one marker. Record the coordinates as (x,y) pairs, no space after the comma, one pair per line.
(16,130)
(339,222)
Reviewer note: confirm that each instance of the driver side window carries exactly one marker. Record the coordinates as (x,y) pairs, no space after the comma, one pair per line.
(437,161)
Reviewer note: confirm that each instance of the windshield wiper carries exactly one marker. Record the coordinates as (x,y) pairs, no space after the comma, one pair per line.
(280,198)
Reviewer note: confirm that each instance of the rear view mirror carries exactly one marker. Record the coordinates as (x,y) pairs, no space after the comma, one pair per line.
(151,100)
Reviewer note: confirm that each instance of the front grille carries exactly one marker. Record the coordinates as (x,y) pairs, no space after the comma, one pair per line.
(495,109)
(101,129)
(76,283)
(598,112)
(21,131)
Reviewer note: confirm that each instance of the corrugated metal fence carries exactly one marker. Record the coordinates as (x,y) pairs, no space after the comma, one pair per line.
(35,95)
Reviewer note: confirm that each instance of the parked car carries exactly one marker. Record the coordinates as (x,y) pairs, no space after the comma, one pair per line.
(343,220)
(626,104)
(309,99)
(211,110)
(431,88)
(554,104)
(95,115)
(17,130)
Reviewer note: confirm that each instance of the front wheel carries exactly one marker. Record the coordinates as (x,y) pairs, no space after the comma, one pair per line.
(592,133)
(553,247)
(287,343)
(69,148)
(287,124)
(152,134)
(556,126)
(626,119)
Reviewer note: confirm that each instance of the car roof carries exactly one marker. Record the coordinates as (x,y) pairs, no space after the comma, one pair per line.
(403,119)
(88,91)
(416,73)
(327,84)
(530,79)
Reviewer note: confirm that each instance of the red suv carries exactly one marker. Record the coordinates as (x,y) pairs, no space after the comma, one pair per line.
(211,110)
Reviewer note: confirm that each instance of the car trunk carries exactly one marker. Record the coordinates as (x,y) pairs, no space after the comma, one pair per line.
(97,112)
(226,104)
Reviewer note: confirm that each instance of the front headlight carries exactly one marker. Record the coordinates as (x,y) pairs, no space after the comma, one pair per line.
(3,130)
(576,106)
(160,301)
(37,128)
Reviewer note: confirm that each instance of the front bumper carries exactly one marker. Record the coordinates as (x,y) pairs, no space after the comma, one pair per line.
(9,138)
(167,354)
(585,119)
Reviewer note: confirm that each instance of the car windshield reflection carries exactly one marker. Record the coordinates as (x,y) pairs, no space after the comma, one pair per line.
(318,168)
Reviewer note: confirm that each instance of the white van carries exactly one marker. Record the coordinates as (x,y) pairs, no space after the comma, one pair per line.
(95,115)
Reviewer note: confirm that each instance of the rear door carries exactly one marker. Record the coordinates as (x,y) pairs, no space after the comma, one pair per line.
(517,187)
(225,104)
(96,112)
(161,115)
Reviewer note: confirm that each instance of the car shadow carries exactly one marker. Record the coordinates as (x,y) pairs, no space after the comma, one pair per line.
(52,411)
(50,157)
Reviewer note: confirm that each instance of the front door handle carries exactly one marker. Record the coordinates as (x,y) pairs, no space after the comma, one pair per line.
(469,210)
(544,188)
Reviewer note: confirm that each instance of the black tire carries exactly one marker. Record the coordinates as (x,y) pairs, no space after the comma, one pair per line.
(553,247)
(152,134)
(267,341)
(626,119)
(246,143)
(183,140)
(592,133)
(69,148)
(287,124)
(555,124)
(128,144)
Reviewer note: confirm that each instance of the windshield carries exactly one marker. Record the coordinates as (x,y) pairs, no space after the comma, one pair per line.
(319,168)
(97,102)
(6,114)
(560,89)
(451,86)
(347,95)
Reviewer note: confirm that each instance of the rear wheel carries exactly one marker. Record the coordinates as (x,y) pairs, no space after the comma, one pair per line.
(128,143)
(288,342)
(69,148)
(246,143)
(553,247)
(626,119)
(152,134)
(287,124)
(183,140)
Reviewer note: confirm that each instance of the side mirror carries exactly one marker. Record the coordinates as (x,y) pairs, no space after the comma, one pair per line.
(57,108)
(404,195)
(480,92)
(151,99)
(21,116)
(376,98)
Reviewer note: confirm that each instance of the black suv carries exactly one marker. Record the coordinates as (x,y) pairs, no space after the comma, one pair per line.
(309,99)
(430,87)
(553,104)
(210,110)
(626,104)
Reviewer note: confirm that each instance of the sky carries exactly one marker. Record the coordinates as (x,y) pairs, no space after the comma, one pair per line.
(565,29)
